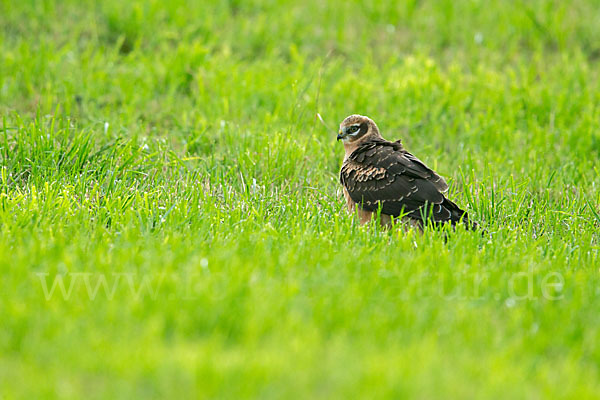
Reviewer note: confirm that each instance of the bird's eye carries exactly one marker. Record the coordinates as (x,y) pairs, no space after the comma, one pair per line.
(353,128)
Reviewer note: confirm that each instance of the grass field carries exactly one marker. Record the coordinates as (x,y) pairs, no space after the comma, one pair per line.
(172,225)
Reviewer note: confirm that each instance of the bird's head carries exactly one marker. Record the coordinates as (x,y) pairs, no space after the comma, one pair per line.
(356,127)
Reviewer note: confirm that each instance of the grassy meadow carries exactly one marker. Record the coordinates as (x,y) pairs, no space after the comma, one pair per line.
(172,225)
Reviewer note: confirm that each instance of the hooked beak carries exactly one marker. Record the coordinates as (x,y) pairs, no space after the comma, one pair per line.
(340,135)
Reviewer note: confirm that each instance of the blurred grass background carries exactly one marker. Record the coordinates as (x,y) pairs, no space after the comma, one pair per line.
(163,162)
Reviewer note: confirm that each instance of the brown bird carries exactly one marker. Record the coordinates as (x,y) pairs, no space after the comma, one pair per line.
(382,178)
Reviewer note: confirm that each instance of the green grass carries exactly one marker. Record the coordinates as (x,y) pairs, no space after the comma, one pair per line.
(162,161)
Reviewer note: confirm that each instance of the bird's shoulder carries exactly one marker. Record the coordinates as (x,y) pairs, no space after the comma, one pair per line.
(375,147)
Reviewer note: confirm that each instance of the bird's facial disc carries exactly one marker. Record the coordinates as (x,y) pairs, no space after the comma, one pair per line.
(348,133)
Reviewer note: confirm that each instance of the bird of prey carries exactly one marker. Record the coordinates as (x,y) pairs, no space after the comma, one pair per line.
(382,178)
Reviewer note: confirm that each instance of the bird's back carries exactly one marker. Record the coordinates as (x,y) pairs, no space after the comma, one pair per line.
(382,175)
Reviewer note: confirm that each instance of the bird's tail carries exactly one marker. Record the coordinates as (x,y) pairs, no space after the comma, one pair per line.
(458,215)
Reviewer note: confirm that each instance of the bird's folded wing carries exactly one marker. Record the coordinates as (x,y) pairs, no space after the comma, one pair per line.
(382,175)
